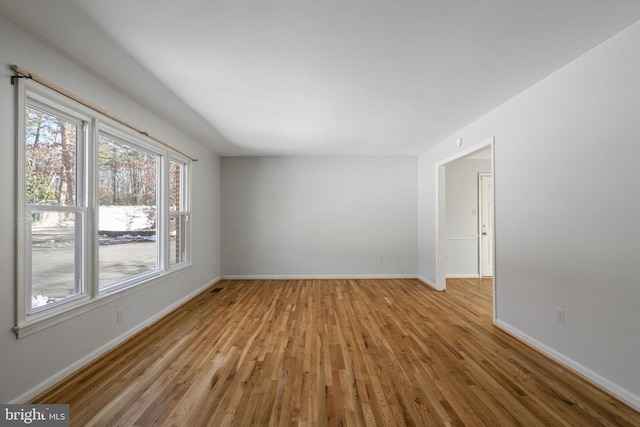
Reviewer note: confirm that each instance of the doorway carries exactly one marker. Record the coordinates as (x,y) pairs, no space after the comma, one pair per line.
(485,244)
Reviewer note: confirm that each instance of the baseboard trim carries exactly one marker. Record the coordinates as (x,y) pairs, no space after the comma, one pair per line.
(596,379)
(428,282)
(317,276)
(463,276)
(56,378)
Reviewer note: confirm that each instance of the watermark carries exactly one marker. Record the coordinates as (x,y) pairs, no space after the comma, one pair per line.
(34,415)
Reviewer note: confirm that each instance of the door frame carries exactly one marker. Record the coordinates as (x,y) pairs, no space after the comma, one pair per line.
(441,217)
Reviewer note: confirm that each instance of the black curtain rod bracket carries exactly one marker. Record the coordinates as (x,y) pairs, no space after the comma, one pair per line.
(19,76)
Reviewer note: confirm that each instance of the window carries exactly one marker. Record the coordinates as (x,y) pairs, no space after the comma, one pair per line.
(178,215)
(55,209)
(101,208)
(128,211)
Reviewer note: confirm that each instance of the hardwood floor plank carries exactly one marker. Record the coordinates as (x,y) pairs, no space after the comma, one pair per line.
(333,353)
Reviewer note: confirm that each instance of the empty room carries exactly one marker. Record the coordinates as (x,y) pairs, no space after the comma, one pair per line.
(320,213)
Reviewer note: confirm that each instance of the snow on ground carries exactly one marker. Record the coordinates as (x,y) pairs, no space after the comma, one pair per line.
(123,218)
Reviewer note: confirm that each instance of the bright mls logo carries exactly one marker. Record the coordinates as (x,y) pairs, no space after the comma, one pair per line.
(34,415)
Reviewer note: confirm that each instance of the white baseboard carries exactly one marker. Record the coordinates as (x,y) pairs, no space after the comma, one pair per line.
(428,282)
(318,276)
(54,379)
(619,392)
(463,276)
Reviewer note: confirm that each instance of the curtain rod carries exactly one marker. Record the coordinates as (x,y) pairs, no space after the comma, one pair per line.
(94,107)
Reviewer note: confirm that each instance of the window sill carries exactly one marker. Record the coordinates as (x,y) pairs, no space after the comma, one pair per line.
(76,309)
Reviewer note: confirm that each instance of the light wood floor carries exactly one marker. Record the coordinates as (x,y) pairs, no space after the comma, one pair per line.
(332,352)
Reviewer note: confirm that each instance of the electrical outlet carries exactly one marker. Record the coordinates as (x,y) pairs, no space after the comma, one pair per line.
(381,259)
(559,315)
(119,315)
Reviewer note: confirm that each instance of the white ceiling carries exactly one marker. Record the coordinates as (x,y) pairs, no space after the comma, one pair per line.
(330,77)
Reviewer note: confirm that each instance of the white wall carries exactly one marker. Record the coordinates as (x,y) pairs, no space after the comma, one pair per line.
(461,182)
(35,361)
(319,216)
(567,177)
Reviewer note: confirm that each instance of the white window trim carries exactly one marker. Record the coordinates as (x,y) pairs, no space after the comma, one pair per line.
(29,321)
(62,108)
(124,135)
(185,203)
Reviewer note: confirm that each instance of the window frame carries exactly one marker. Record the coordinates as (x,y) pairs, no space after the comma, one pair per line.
(29,320)
(59,106)
(185,179)
(121,135)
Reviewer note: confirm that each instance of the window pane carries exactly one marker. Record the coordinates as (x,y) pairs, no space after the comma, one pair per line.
(175,187)
(127,212)
(53,257)
(177,253)
(50,169)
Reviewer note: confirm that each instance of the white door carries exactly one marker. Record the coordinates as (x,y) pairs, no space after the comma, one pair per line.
(485,183)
